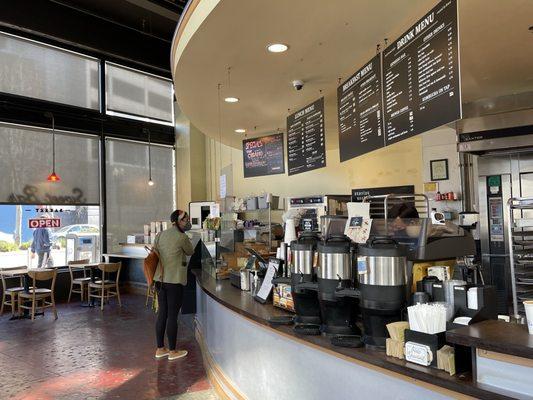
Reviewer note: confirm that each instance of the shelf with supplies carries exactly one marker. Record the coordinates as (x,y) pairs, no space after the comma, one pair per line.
(257,216)
(520,236)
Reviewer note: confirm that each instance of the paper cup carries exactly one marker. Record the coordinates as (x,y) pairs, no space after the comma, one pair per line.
(528,305)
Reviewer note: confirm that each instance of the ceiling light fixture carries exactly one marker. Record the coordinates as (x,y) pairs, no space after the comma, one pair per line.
(231,99)
(277,47)
(240,130)
(53,177)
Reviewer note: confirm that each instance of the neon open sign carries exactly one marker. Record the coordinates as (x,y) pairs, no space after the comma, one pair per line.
(44,223)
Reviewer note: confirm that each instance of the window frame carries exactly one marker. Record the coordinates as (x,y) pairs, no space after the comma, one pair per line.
(136,117)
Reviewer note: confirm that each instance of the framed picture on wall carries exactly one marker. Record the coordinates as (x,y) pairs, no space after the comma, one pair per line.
(439,170)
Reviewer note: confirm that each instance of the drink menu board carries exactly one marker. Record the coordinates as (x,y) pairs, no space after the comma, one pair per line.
(306,142)
(360,111)
(263,156)
(421,75)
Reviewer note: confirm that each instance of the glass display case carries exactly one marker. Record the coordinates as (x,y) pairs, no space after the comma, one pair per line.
(425,240)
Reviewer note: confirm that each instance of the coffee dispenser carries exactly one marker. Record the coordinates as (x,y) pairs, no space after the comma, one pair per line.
(336,272)
(303,253)
(382,271)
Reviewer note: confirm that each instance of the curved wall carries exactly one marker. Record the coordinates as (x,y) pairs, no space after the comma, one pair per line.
(263,364)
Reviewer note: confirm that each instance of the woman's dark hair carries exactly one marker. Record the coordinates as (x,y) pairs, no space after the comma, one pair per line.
(177,216)
(402,210)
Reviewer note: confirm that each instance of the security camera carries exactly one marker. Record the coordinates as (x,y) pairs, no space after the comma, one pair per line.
(298,84)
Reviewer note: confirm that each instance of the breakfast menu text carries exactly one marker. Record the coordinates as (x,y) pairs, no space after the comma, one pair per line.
(359,111)
(306,142)
(421,75)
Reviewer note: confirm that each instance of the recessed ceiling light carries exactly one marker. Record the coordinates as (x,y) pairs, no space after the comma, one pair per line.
(231,99)
(277,47)
(240,130)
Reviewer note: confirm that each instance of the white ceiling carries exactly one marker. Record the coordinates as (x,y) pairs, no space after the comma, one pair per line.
(330,40)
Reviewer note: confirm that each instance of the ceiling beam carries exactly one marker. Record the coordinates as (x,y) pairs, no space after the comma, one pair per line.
(156,9)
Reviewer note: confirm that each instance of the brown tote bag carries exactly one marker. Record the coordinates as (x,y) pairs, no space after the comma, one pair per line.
(150,266)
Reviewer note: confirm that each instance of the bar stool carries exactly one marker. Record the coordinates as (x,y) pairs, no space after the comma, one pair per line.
(106,288)
(12,292)
(81,282)
(41,295)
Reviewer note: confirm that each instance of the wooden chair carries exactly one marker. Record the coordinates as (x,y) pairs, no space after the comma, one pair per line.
(81,282)
(150,294)
(39,296)
(106,288)
(12,292)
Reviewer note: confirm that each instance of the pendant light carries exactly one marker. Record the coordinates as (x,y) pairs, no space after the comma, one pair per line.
(53,177)
(150,181)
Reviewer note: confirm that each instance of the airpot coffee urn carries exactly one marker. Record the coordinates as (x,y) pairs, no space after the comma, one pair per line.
(336,271)
(305,299)
(382,270)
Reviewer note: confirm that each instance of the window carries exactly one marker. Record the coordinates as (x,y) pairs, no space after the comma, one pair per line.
(25,194)
(131,202)
(26,161)
(134,94)
(77,238)
(44,72)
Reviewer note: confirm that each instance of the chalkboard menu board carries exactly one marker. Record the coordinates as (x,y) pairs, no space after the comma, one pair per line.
(421,75)
(360,111)
(306,142)
(263,156)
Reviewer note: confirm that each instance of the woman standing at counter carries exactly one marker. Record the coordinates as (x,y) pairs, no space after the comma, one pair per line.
(170,278)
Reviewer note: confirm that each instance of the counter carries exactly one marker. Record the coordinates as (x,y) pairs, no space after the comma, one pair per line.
(246,358)
(503,359)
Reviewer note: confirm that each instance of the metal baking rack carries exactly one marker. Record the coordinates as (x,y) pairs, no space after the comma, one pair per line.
(520,236)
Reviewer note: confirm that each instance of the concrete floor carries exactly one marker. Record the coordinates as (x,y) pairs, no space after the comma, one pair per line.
(89,354)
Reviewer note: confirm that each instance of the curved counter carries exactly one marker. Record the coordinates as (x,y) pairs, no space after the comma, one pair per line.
(246,358)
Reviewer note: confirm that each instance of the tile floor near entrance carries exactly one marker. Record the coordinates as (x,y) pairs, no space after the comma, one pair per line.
(89,354)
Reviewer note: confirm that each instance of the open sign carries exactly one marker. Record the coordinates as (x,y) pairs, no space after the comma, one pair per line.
(44,223)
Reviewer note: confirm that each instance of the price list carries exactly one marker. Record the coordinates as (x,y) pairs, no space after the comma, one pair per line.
(359,104)
(421,75)
(306,144)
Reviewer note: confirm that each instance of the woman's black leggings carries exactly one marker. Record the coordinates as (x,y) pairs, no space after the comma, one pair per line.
(169,297)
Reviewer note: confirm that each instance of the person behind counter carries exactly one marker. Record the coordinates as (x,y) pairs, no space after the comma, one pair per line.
(172,246)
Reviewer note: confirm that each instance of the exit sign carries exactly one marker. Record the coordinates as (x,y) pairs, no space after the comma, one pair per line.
(44,223)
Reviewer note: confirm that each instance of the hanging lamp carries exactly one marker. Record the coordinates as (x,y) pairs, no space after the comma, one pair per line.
(150,181)
(53,177)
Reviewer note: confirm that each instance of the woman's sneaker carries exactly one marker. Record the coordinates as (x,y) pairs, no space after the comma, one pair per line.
(175,354)
(160,353)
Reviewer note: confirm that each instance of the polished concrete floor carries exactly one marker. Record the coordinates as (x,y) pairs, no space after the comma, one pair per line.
(89,354)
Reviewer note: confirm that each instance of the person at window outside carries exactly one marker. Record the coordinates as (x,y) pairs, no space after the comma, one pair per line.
(41,245)
(172,246)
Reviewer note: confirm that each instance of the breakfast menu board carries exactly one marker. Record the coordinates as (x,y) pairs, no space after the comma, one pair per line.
(263,156)
(359,110)
(421,75)
(306,142)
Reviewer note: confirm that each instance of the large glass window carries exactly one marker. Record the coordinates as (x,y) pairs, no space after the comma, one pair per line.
(25,195)
(134,94)
(26,161)
(40,71)
(77,236)
(131,202)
